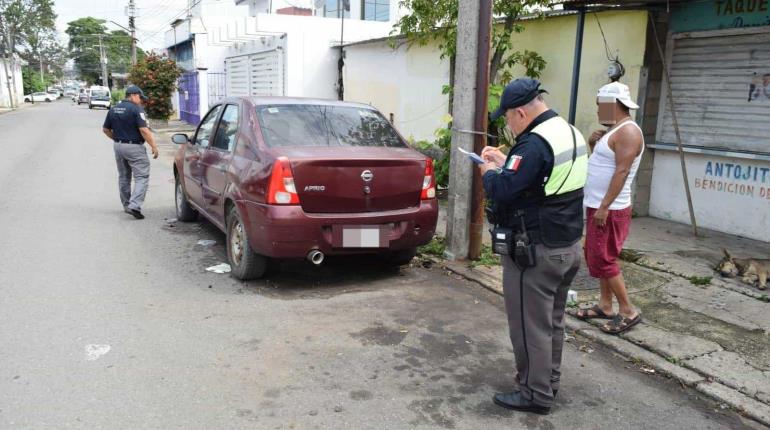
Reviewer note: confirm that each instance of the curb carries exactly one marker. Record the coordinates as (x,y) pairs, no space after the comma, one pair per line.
(704,384)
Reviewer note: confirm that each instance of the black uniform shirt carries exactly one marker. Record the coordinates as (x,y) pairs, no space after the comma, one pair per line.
(125,120)
(521,183)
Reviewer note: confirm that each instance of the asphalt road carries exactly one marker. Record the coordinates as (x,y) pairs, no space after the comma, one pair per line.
(109,322)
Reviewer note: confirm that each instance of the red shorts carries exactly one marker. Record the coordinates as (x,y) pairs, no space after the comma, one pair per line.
(603,244)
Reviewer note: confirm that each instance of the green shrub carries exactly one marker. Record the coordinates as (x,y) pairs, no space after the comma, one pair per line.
(118,96)
(157,76)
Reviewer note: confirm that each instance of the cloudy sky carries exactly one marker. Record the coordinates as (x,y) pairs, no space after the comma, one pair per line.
(153,16)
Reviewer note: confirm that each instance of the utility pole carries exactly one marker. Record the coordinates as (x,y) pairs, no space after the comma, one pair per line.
(480,124)
(461,169)
(10,81)
(104,63)
(131,18)
(42,78)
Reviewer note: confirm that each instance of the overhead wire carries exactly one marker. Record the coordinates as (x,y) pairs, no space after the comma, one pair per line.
(607,49)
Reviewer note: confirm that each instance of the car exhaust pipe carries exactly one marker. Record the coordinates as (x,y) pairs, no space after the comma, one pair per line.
(316,257)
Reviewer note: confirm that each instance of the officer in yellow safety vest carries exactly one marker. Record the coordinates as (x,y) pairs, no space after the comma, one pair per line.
(536,192)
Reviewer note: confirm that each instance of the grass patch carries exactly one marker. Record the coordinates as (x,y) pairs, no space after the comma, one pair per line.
(487,258)
(435,247)
(700,280)
(764,298)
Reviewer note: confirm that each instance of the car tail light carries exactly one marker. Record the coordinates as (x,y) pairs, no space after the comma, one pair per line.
(281,189)
(429,182)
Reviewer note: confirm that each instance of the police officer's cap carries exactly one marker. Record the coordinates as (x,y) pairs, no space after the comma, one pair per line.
(516,94)
(133,89)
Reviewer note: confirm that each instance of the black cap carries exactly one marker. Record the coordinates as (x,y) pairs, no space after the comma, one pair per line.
(517,93)
(133,89)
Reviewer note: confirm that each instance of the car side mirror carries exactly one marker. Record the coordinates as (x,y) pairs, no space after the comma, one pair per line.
(180,138)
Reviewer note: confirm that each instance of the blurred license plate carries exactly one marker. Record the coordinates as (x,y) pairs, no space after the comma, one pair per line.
(361,237)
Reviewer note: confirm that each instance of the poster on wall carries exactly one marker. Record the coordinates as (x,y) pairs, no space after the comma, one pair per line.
(759,88)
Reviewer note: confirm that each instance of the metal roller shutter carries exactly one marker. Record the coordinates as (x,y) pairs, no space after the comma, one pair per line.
(718,80)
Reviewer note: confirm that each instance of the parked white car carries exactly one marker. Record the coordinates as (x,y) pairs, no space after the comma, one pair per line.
(39,97)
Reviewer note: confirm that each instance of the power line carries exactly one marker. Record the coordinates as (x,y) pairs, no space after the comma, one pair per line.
(607,49)
(182,12)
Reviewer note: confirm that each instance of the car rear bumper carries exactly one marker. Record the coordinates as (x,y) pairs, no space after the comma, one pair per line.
(104,103)
(289,232)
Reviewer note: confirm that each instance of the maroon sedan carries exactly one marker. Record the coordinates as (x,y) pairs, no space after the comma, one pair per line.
(296,178)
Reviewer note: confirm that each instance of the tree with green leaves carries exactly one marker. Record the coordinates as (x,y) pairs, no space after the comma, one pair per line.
(436,21)
(20,21)
(85,35)
(157,76)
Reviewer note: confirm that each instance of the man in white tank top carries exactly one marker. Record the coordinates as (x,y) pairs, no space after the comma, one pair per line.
(614,160)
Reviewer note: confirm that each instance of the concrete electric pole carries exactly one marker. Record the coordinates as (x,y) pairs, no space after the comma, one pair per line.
(103,59)
(465,214)
(132,28)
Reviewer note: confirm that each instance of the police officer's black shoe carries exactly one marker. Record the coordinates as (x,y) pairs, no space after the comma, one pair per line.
(517,402)
(137,213)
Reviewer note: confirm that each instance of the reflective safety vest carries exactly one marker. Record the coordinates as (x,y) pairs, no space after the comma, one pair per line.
(570,156)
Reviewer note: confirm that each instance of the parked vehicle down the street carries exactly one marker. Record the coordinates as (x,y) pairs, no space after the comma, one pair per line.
(302,178)
(39,97)
(99,96)
(82,97)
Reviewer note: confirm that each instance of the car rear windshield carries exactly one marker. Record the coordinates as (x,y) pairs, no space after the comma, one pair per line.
(98,93)
(323,125)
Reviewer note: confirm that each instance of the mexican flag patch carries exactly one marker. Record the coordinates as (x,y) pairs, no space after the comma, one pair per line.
(514,162)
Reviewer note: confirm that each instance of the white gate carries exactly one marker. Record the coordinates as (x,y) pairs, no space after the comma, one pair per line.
(260,74)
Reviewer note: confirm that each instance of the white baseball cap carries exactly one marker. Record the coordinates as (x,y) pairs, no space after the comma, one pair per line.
(619,92)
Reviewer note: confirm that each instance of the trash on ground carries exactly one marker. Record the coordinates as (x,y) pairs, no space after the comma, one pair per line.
(585,348)
(94,352)
(572,296)
(207,242)
(219,268)
(647,369)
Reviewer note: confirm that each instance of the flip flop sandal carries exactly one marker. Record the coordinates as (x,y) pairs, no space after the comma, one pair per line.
(619,324)
(598,314)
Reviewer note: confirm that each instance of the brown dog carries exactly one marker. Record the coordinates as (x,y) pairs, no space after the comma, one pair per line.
(749,269)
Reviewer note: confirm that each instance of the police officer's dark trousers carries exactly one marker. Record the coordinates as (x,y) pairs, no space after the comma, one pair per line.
(535,299)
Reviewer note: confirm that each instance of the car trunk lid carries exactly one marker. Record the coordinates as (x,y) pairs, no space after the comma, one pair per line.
(354,180)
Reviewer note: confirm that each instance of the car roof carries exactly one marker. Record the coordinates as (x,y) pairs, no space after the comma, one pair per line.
(265,101)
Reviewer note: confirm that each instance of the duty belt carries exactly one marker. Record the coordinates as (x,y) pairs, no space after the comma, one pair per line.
(129,142)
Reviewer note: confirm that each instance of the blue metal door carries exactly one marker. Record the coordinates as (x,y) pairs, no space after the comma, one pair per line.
(189,98)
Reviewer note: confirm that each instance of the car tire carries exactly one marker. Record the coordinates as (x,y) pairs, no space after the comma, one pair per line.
(184,211)
(401,257)
(90,106)
(48,100)
(245,264)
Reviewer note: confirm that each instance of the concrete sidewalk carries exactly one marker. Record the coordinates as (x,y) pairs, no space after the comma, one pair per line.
(708,332)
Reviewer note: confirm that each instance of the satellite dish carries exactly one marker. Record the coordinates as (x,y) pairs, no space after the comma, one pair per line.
(319,3)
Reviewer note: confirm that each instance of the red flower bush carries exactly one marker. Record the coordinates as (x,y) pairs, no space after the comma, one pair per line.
(157,76)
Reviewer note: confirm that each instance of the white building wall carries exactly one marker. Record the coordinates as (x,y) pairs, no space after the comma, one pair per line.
(731,195)
(311,55)
(405,82)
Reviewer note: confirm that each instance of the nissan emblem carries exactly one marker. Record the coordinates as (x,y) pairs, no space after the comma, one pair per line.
(367,175)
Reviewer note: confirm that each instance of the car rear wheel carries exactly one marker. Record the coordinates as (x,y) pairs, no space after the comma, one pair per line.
(184,211)
(245,264)
(400,258)
(90,106)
